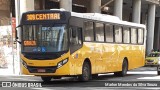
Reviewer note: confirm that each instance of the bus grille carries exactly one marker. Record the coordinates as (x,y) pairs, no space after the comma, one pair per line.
(46,69)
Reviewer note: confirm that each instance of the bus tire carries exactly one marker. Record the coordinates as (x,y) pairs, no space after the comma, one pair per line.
(158,72)
(94,76)
(124,69)
(86,72)
(46,79)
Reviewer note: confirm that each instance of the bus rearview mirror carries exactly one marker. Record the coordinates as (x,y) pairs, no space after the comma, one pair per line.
(16,35)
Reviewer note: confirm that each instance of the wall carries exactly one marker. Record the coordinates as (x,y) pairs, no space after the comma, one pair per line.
(4,12)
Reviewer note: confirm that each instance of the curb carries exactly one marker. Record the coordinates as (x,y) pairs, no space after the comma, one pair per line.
(15,75)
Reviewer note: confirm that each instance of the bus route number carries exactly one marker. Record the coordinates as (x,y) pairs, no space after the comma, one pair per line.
(46,16)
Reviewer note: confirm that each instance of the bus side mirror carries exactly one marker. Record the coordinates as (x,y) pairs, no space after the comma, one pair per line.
(16,35)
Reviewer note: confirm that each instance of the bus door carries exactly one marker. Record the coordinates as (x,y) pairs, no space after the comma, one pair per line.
(75,45)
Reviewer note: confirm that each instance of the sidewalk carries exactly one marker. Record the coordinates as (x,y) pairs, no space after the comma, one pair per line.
(7,71)
(10,70)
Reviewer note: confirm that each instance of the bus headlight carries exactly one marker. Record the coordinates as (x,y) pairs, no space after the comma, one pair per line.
(61,63)
(24,63)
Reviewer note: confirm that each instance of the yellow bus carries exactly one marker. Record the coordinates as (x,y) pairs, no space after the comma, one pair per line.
(59,43)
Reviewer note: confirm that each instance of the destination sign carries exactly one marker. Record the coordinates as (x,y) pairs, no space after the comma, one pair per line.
(46,16)
(29,43)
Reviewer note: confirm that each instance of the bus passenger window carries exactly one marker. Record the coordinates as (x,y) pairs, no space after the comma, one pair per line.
(140,36)
(109,32)
(118,34)
(99,28)
(133,35)
(126,35)
(88,32)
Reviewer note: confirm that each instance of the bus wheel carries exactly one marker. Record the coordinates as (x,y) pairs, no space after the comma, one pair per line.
(85,72)
(46,79)
(94,76)
(124,69)
(158,72)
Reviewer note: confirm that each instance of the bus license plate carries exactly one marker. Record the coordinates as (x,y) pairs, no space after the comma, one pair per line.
(41,70)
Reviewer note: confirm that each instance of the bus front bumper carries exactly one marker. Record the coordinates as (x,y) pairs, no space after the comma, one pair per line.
(45,71)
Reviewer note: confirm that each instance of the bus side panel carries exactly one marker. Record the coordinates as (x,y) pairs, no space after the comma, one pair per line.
(115,55)
(138,56)
(134,55)
(103,57)
(82,54)
(108,57)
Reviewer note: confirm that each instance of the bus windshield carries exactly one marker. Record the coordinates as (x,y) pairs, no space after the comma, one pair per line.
(44,38)
(154,55)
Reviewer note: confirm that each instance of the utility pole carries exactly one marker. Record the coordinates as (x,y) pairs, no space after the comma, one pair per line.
(17,14)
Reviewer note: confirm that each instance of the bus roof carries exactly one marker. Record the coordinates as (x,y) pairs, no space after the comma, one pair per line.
(105,18)
(92,16)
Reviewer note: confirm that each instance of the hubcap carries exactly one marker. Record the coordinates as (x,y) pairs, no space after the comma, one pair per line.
(85,73)
(125,68)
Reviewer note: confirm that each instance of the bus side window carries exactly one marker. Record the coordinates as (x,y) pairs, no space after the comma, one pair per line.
(76,36)
(79,36)
(75,39)
(118,34)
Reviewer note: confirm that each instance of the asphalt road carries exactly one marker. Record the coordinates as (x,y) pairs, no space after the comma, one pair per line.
(141,78)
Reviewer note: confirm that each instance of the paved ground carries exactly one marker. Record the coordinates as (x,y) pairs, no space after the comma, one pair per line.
(144,78)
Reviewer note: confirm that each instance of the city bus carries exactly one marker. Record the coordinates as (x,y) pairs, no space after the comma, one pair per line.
(57,43)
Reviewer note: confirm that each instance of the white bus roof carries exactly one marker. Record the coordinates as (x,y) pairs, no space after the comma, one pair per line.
(105,18)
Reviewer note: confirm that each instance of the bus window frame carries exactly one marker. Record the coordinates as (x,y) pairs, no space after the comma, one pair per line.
(112,30)
(124,26)
(73,47)
(113,25)
(85,29)
(120,26)
(95,32)
(138,36)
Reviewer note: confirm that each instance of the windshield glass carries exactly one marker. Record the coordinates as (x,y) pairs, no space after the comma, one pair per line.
(44,38)
(154,55)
